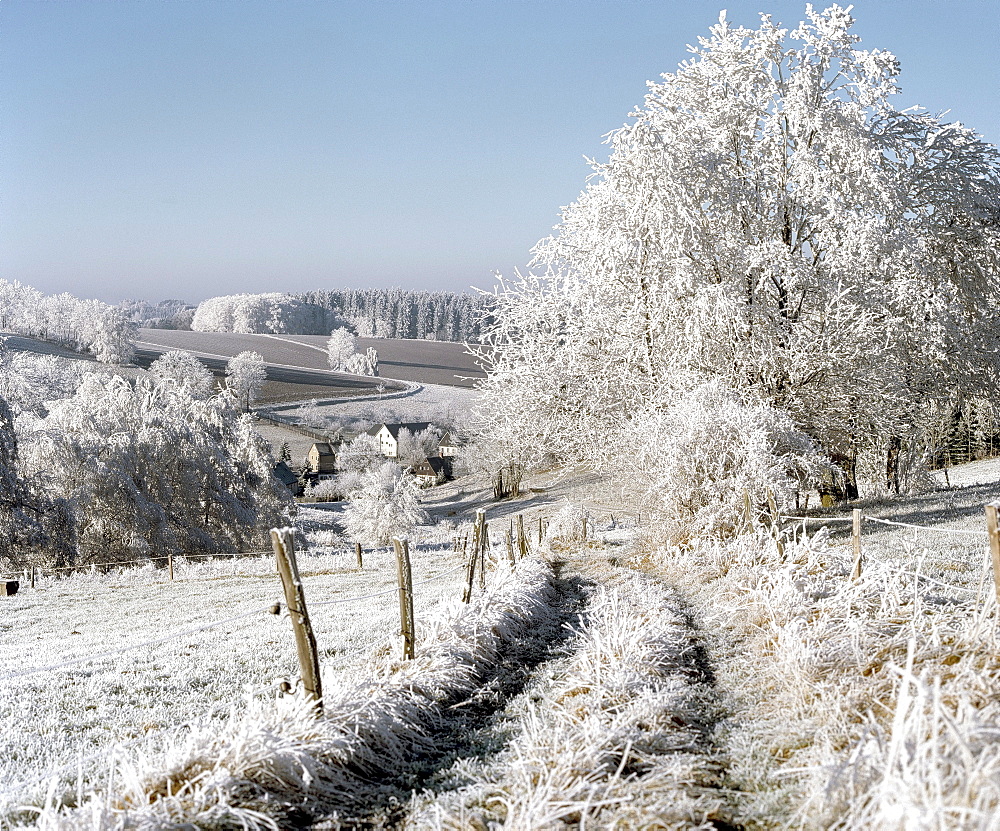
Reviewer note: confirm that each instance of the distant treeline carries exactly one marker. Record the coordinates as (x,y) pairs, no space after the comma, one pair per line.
(371,313)
(397,313)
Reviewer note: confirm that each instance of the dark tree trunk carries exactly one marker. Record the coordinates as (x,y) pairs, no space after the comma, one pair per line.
(892,464)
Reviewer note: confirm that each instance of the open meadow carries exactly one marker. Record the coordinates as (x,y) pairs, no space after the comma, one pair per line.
(97,661)
(729,684)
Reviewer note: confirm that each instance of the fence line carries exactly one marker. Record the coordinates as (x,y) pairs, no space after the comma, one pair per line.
(167,638)
(882,521)
(116,749)
(152,560)
(924,527)
(941,583)
(393,590)
(815,518)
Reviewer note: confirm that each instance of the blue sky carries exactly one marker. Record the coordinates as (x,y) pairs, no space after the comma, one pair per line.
(190,148)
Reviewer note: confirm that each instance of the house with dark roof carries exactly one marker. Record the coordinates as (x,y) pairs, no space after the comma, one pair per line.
(288,478)
(387,435)
(429,471)
(321,458)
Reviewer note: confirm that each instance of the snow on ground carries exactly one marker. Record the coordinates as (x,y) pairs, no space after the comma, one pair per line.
(70,712)
(722,684)
(973,473)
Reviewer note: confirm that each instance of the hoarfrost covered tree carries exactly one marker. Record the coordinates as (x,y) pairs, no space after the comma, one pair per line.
(412,448)
(355,459)
(271,313)
(183,369)
(340,348)
(342,354)
(767,222)
(386,504)
(152,468)
(366,364)
(28,381)
(20,528)
(246,375)
(83,325)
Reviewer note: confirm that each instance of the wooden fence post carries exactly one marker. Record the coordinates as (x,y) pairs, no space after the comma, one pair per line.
(510,545)
(405,578)
(856,543)
(305,641)
(747,512)
(539,530)
(470,571)
(484,544)
(772,507)
(32,577)
(522,539)
(357,553)
(994,534)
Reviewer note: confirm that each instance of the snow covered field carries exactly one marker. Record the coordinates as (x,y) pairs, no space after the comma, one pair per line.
(60,716)
(715,686)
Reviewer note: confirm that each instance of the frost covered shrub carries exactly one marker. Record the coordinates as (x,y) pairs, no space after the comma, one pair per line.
(695,458)
(567,525)
(325,538)
(325,489)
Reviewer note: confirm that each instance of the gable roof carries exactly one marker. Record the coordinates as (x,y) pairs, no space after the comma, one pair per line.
(285,474)
(412,426)
(323,448)
(431,466)
(448,440)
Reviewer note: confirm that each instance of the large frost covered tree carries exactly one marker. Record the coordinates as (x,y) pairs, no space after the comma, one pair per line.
(385,503)
(768,224)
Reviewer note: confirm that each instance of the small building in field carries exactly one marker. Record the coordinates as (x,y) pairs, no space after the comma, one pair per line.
(288,478)
(321,458)
(429,472)
(387,435)
(449,445)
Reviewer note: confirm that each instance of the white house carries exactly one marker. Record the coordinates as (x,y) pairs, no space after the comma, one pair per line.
(449,445)
(387,435)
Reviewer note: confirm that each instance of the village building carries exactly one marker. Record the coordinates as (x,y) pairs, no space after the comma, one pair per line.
(429,471)
(288,478)
(321,458)
(387,435)
(449,445)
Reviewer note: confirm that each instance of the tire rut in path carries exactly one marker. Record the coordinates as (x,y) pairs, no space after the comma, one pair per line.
(619,729)
(465,729)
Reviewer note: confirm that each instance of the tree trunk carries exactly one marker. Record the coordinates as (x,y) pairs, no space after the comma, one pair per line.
(892,464)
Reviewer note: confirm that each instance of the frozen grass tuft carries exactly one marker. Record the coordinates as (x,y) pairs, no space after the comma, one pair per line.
(868,704)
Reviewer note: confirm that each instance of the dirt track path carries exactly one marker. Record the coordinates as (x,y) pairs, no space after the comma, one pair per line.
(616,728)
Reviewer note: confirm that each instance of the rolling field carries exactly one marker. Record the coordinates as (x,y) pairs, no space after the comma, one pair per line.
(420,361)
